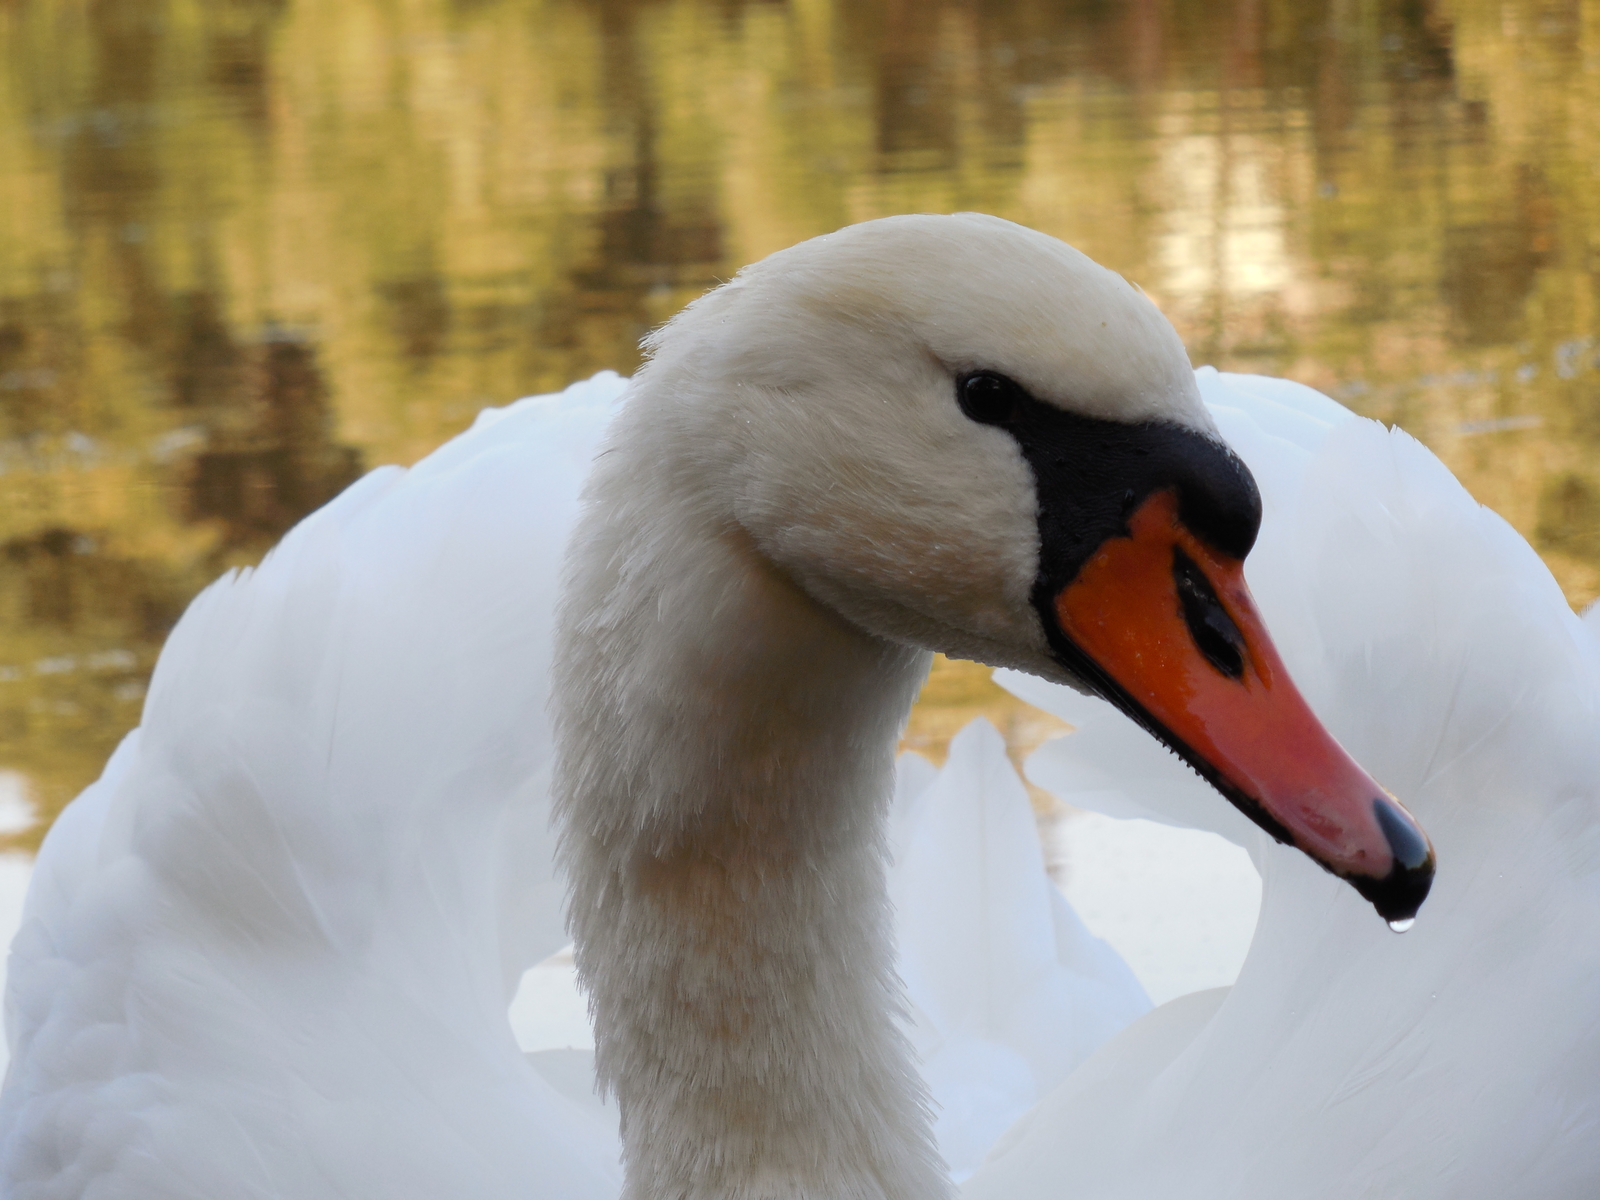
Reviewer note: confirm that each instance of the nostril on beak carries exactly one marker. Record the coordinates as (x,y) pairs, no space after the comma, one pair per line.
(1406,841)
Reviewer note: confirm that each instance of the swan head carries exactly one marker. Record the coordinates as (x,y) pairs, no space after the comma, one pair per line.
(964,435)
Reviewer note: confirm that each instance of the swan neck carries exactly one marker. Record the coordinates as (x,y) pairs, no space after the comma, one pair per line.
(726,761)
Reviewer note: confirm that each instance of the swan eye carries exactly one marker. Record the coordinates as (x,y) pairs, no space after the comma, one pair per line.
(988,398)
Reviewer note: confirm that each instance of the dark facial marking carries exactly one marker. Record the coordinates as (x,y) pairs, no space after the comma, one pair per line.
(1091,473)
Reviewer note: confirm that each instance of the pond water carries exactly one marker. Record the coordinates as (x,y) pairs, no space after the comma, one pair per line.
(251,248)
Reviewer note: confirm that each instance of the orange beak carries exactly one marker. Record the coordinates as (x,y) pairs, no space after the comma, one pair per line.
(1172,636)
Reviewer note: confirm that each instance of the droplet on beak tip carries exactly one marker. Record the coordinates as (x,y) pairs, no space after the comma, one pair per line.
(1402,925)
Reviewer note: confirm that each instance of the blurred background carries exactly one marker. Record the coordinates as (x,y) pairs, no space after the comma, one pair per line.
(250,249)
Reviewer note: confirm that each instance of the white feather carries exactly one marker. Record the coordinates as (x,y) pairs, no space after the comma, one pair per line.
(269,953)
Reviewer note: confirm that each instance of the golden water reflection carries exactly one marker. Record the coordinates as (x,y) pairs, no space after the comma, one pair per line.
(250,248)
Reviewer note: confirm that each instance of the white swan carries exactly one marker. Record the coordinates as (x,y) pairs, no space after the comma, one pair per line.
(268,953)
(923,433)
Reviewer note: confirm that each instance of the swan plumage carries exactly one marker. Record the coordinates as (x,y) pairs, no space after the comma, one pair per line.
(282,968)
(269,951)
(1008,990)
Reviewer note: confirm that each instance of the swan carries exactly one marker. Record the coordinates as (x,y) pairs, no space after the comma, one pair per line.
(268,953)
(972,440)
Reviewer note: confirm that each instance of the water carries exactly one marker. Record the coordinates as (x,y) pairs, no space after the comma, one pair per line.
(1402,925)
(251,249)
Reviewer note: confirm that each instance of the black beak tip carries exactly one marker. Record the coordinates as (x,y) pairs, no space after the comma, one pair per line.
(1400,893)
(1407,842)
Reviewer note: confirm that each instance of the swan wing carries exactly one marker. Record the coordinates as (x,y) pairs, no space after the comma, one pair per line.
(1008,990)
(269,952)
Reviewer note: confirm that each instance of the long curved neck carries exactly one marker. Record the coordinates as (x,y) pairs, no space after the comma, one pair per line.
(725,765)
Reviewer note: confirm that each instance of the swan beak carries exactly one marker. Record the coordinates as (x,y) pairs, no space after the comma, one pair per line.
(1171,635)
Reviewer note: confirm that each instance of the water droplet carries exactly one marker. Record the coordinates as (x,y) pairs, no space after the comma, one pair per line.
(1403,924)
